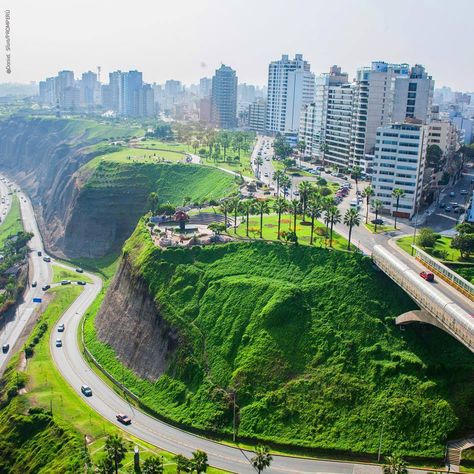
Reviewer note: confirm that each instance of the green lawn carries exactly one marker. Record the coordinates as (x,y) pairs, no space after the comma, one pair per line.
(60,273)
(11,225)
(270,230)
(380,228)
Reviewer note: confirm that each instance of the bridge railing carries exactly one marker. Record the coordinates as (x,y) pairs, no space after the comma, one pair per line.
(448,275)
(454,319)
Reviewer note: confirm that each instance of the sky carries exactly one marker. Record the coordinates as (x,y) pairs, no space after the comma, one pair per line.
(189,39)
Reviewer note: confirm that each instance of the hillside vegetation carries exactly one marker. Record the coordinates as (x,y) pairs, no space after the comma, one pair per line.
(306,338)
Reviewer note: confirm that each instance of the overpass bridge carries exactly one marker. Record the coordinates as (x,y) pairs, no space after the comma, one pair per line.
(440,307)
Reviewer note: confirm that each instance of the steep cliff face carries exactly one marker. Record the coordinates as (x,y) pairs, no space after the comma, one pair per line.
(145,342)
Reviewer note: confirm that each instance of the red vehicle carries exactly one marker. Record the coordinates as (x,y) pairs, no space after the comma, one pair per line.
(428,276)
(124,419)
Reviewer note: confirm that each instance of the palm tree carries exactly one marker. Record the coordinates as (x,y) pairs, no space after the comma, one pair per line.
(326,204)
(153,465)
(356,173)
(183,464)
(224,140)
(195,144)
(306,189)
(199,461)
(301,146)
(247,207)
(294,208)
(395,465)
(367,193)
(210,140)
(351,219)
(115,449)
(277,176)
(280,206)
(285,183)
(225,207)
(397,193)
(314,211)
(324,150)
(238,141)
(235,207)
(333,215)
(378,204)
(262,458)
(263,208)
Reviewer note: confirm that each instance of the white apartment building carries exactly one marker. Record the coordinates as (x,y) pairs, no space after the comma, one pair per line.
(290,88)
(444,135)
(399,161)
(387,93)
(257,114)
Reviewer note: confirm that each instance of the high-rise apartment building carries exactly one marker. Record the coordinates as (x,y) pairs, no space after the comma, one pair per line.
(290,88)
(383,94)
(205,87)
(224,98)
(399,162)
(89,89)
(257,115)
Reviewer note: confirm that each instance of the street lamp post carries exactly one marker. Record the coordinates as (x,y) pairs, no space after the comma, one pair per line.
(380,441)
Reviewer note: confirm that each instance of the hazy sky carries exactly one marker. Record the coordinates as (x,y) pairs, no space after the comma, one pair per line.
(188,39)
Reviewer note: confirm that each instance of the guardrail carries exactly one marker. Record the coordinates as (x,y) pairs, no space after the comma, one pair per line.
(448,275)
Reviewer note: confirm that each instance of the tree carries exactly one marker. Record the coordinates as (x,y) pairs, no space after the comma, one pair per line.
(367,193)
(225,141)
(217,228)
(183,464)
(356,174)
(278,176)
(153,201)
(378,205)
(465,228)
(210,141)
(238,140)
(334,217)
(280,206)
(394,464)
(294,208)
(263,208)
(281,147)
(225,207)
(285,183)
(464,243)
(199,461)
(115,450)
(105,466)
(262,458)
(247,207)
(427,237)
(288,163)
(397,193)
(235,207)
(324,150)
(314,210)
(195,144)
(305,189)
(258,162)
(301,147)
(153,465)
(434,157)
(351,219)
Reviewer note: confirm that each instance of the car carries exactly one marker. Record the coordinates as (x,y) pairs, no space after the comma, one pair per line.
(86,390)
(80,282)
(442,205)
(447,208)
(428,276)
(39,253)
(47,259)
(124,419)
(265,174)
(61,328)
(34,284)
(377,221)
(452,194)
(59,343)
(463,192)
(46,287)
(5,348)
(65,282)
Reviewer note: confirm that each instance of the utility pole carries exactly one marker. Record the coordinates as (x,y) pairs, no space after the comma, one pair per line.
(380,441)
(233,422)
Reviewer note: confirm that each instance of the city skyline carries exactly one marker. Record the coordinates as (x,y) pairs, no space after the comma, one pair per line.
(200,47)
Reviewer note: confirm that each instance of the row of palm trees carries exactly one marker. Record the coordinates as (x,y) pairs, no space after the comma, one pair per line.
(377,204)
(310,205)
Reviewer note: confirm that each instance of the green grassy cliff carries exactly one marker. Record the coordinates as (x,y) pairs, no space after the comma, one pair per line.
(306,338)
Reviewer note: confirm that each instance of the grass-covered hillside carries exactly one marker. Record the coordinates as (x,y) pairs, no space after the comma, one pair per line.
(306,338)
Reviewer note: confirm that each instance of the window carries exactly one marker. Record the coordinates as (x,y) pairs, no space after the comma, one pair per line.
(412,86)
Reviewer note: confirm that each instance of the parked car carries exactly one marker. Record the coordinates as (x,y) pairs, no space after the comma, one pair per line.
(124,419)
(46,287)
(442,205)
(79,270)
(34,284)
(86,390)
(377,221)
(80,282)
(39,253)
(59,343)
(452,194)
(65,282)
(428,276)
(5,348)
(47,259)
(61,328)
(463,192)
(448,209)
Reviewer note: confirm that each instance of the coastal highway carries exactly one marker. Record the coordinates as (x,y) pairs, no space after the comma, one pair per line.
(40,272)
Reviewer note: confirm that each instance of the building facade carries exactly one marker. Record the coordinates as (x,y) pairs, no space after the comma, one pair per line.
(290,88)
(399,162)
(257,111)
(224,98)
